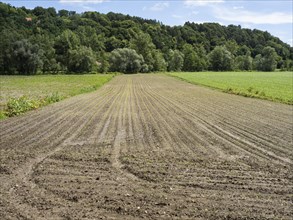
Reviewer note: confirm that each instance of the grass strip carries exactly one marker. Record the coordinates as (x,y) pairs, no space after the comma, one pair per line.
(273,86)
(32,92)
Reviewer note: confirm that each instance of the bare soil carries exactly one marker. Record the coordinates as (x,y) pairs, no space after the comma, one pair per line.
(149,147)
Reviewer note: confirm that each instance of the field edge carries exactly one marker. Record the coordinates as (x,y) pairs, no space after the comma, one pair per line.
(230,90)
(33,104)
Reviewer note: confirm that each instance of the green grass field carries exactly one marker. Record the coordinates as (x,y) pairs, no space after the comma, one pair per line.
(42,90)
(274,86)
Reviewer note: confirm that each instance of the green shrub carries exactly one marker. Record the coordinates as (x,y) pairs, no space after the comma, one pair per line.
(16,106)
(54,97)
(2,115)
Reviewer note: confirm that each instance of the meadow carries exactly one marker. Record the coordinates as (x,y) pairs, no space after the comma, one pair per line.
(21,93)
(274,86)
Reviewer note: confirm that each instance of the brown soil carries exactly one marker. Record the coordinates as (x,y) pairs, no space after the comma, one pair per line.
(152,147)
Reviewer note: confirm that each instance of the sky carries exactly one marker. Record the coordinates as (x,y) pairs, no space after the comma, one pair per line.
(274,16)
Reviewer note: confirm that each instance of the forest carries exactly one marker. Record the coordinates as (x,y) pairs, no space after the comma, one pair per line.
(46,41)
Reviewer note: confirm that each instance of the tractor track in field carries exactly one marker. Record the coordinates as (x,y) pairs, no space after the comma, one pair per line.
(149,146)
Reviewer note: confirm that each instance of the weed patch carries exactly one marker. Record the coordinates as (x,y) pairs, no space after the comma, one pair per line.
(17,106)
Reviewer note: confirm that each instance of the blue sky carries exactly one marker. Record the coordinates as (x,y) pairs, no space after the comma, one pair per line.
(274,16)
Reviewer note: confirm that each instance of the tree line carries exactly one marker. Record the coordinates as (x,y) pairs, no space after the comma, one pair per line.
(41,41)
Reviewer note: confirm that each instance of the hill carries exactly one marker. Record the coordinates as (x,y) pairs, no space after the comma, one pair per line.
(46,41)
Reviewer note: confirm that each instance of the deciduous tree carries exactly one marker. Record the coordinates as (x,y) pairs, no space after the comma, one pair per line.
(27,57)
(125,60)
(81,60)
(221,59)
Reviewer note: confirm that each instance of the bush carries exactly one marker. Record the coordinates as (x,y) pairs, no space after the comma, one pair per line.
(16,106)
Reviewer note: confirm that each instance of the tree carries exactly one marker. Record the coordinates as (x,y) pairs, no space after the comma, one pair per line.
(143,45)
(52,11)
(103,63)
(257,62)
(7,62)
(113,43)
(192,60)
(175,60)
(287,65)
(27,57)
(63,13)
(243,50)
(269,57)
(46,43)
(221,59)
(267,61)
(58,33)
(232,47)
(125,60)
(65,42)
(243,62)
(159,61)
(40,11)
(88,37)
(81,60)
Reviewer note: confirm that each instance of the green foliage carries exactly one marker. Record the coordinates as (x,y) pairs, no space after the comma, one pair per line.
(53,37)
(243,62)
(27,57)
(2,115)
(175,60)
(125,60)
(81,60)
(88,37)
(7,62)
(192,61)
(159,61)
(103,65)
(275,86)
(221,59)
(54,97)
(17,106)
(267,61)
(232,47)
(287,65)
(63,44)
(144,46)
(45,43)
(38,91)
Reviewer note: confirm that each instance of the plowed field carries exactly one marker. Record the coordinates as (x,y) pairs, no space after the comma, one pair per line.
(149,146)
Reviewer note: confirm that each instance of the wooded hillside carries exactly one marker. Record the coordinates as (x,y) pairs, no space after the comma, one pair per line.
(41,41)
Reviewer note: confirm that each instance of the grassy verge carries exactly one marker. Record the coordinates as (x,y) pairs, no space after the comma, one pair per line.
(19,94)
(274,86)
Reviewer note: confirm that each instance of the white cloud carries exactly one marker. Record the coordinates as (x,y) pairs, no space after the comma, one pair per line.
(160,6)
(192,3)
(84,2)
(238,7)
(250,17)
